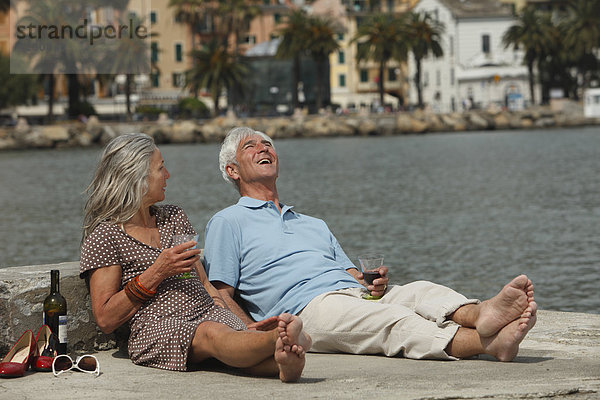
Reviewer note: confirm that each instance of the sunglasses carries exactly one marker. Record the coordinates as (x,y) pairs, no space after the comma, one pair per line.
(86,363)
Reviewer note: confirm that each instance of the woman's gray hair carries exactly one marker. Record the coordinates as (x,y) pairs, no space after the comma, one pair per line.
(230,145)
(120,181)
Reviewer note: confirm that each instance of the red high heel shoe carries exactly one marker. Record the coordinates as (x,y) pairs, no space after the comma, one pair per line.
(46,343)
(19,357)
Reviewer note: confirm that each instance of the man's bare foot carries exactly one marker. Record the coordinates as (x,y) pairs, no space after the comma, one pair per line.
(504,308)
(290,363)
(292,335)
(505,344)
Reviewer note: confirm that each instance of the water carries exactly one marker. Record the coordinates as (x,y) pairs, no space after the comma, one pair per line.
(469,210)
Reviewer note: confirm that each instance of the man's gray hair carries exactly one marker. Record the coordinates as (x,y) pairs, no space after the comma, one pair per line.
(229,148)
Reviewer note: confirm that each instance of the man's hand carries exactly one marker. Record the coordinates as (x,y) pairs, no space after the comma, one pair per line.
(379,285)
(264,325)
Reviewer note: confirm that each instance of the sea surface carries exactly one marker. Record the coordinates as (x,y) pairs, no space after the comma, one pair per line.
(467,210)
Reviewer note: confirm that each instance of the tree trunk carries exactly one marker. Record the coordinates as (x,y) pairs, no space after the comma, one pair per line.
(319,82)
(380,83)
(531,82)
(50,116)
(216,102)
(73,89)
(128,95)
(418,83)
(295,81)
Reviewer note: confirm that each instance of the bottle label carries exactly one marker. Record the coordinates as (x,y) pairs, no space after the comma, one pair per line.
(62,328)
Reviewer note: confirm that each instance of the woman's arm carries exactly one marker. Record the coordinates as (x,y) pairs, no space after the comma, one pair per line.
(110,305)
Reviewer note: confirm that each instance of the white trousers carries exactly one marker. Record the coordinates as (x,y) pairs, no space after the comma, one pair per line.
(409,320)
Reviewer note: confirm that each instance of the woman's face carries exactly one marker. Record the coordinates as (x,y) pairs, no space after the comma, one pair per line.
(157,179)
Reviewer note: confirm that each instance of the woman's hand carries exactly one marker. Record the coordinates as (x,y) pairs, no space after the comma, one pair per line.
(172,261)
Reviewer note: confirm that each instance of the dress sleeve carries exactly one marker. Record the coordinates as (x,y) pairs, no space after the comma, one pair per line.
(100,249)
(181,223)
(222,252)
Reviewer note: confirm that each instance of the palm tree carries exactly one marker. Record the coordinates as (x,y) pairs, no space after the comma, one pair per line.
(46,62)
(4,5)
(582,35)
(237,15)
(531,32)
(192,13)
(320,43)
(130,57)
(425,37)
(215,69)
(293,45)
(381,38)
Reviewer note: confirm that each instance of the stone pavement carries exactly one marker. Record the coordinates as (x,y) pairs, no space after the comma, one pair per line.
(559,359)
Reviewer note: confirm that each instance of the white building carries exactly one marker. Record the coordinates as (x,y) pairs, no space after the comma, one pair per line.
(476,70)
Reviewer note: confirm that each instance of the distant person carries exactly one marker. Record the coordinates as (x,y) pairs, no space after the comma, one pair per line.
(276,260)
(136,275)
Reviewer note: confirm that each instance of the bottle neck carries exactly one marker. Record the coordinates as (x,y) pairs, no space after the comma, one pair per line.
(54,281)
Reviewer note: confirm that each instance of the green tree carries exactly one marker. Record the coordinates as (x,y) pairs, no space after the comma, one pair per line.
(425,38)
(4,5)
(382,38)
(45,61)
(130,57)
(216,70)
(16,89)
(531,33)
(320,43)
(237,15)
(293,46)
(582,36)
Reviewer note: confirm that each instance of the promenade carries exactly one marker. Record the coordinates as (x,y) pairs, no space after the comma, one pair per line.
(560,359)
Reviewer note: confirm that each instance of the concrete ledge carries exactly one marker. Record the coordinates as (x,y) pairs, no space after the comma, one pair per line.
(22,293)
(559,360)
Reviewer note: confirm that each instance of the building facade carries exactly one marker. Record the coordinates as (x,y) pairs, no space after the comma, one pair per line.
(476,70)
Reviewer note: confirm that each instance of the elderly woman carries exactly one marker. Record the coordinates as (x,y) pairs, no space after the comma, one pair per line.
(135,274)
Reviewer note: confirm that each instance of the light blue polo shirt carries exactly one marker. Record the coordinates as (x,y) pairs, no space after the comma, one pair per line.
(277,262)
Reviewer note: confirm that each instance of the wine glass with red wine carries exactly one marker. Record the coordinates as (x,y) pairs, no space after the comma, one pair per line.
(370,263)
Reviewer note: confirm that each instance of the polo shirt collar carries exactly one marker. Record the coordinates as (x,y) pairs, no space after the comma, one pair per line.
(250,202)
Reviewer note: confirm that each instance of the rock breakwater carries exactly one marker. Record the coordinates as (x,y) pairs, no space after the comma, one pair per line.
(95,132)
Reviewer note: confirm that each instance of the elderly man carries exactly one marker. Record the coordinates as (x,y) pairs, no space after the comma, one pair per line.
(274,260)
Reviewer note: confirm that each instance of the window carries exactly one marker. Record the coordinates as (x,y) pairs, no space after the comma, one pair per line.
(342,80)
(277,18)
(426,79)
(178,79)
(155,79)
(341,57)
(153,17)
(250,39)
(392,75)
(452,76)
(364,75)
(340,36)
(451,45)
(485,43)
(178,52)
(154,51)
(438,78)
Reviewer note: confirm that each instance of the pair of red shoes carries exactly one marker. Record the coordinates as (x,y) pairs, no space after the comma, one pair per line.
(38,353)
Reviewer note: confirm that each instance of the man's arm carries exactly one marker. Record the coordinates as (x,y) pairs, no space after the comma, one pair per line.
(227,293)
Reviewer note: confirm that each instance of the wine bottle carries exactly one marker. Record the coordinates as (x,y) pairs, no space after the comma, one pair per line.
(55,312)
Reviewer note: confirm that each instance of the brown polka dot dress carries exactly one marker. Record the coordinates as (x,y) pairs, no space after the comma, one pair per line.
(163,328)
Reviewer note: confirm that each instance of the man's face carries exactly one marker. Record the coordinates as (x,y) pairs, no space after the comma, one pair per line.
(257,161)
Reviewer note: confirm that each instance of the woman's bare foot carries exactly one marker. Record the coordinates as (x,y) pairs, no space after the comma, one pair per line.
(504,308)
(505,344)
(292,335)
(290,364)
